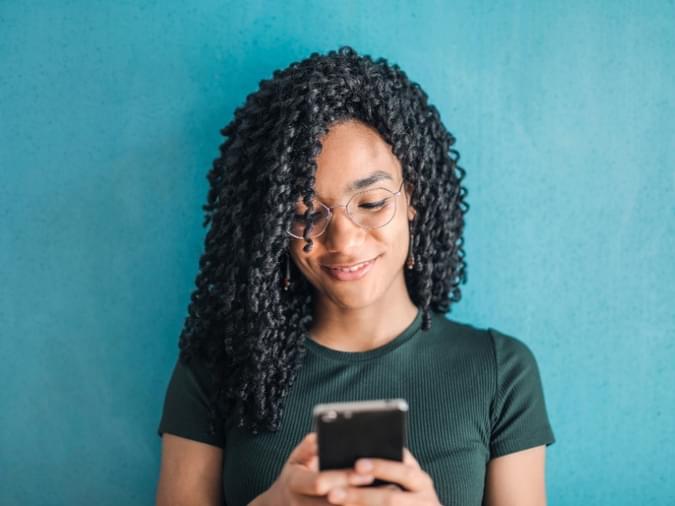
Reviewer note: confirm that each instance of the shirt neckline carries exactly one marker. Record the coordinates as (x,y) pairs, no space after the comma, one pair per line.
(357,356)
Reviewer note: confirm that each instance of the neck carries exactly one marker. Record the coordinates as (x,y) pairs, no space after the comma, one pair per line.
(362,328)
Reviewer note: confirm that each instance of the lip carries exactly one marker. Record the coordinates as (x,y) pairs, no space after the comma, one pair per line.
(350,276)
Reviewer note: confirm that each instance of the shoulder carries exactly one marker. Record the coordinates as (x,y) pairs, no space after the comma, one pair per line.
(487,344)
(192,372)
(511,352)
(458,337)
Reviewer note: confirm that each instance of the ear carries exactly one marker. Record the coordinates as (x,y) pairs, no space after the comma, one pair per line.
(412,212)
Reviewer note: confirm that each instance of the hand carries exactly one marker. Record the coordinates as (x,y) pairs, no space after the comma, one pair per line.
(416,486)
(300,481)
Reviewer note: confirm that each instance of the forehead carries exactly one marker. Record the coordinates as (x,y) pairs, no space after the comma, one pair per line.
(353,151)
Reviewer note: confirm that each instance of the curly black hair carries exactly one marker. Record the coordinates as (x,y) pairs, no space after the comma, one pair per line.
(247,330)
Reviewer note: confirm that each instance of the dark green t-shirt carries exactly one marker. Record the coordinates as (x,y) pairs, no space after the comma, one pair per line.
(473,395)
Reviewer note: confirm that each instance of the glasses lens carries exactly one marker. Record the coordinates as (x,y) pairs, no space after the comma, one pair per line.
(372,208)
(315,221)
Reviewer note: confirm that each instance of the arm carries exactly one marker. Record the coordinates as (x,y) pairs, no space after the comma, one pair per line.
(517,479)
(190,474)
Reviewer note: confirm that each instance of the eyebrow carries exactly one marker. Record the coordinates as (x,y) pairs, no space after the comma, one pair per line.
(371,179)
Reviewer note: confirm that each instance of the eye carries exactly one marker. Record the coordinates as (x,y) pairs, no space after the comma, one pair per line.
(374,205)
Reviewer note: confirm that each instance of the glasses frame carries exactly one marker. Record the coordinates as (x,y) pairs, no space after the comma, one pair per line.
(330,211)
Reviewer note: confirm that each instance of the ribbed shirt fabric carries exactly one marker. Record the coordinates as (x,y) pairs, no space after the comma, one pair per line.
(473,395)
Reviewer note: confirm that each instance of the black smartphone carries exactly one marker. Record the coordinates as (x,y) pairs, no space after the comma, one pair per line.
(347,431)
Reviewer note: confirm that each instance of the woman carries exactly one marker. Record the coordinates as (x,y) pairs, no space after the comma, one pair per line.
(334,252)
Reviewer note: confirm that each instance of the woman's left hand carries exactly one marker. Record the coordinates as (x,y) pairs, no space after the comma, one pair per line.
(417,487)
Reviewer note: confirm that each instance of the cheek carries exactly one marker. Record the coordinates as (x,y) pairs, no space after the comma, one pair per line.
(297,255)
(303,261)
(394,241)
(399,231)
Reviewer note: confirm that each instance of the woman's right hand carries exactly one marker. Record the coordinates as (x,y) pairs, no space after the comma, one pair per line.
(300,481)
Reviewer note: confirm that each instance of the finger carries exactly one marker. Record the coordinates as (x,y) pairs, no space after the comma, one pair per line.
(408,476)
(306,482)
(371,496)
(304,450)
(313,463)
(408,458)
(306,500)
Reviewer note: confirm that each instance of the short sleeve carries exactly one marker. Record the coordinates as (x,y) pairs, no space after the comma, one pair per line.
(519,419)
(186,408)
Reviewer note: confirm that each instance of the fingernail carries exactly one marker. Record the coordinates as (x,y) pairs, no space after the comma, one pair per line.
(364,465)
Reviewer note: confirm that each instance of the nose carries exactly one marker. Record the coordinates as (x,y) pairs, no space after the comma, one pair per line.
(342,234)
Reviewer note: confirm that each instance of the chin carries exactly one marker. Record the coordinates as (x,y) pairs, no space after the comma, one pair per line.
(351,299)
(351,304)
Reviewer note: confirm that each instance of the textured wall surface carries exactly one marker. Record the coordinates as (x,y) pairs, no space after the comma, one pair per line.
(564,114)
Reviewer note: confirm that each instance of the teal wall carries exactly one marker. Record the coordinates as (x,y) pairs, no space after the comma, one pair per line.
(109,118)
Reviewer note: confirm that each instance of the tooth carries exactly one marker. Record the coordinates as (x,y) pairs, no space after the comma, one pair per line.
(350,269)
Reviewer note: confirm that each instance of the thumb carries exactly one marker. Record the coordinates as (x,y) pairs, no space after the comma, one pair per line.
(409,459)
(313,463)
(305,450)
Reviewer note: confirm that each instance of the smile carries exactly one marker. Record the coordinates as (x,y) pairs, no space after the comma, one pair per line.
(354,272)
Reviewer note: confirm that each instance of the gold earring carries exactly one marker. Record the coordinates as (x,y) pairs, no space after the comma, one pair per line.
(286,280)
(410,262)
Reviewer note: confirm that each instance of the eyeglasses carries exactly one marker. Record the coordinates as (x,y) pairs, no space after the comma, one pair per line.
(368,209)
